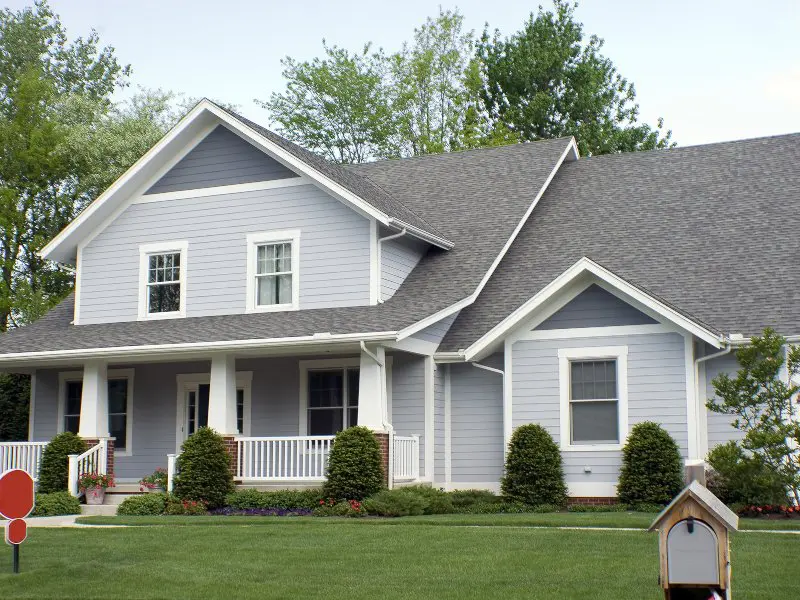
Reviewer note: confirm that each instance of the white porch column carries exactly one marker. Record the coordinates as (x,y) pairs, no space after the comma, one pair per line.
(372,396)
(94,401)
(222,394)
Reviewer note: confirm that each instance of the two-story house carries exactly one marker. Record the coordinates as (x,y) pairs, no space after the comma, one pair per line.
(233,279)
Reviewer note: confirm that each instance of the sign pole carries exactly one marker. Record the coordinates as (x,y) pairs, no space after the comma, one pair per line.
(16,557)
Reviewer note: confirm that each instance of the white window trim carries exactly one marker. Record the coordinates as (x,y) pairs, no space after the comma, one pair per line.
(145,250)
(272,237)
(565,355)
(244,380)
(330,364)
(67,376)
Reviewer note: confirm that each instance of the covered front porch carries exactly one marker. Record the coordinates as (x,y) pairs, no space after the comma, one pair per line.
(277,413)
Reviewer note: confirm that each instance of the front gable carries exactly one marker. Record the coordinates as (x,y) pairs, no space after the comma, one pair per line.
(595,307)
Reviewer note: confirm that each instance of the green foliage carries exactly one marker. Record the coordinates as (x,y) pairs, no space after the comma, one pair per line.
(551,80)
(344,508)
(204,469)
(591,508)
(465,498)
(144,504)
(283,499)
(54,471)
(741,478)
(15,393)
(652,469)
(56,503)
(764,406)
(355,468)
(396,503)
(534,474)
(176,506)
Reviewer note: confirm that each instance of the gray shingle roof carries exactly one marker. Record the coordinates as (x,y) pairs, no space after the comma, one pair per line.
(711,230)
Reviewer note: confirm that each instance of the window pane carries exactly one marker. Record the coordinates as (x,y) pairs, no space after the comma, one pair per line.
(73,400)
(324,421)
(240,411)
(117,396)
(325,389)
(202,404)
(595,379)
(164,298)
(352,417)
(192,401)
(71,424)
(117,427)
(352,387)
(594,422)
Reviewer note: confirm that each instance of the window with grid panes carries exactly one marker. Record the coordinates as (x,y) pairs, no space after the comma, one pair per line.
(164,282)
(332,400)
(274,274)
(594,402)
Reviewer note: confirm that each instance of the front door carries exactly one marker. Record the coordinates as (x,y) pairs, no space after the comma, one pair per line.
(195,408)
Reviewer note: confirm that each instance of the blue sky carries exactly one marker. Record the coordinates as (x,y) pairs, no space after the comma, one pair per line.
(715,70)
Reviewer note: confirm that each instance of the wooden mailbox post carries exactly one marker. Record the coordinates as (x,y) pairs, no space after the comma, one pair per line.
(694,546)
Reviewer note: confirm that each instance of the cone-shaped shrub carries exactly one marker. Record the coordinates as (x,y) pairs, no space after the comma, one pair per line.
(533,468)
(355,468)
(204,469)
(652,469)
(55,465)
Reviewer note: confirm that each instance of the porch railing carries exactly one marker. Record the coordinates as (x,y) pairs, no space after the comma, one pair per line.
(94,460)
(284,458)
(22,455)
(405,457)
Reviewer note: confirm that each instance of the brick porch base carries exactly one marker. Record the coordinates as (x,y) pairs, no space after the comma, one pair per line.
(90,442)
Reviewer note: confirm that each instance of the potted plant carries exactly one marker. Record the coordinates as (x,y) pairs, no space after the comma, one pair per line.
(157,482)
(94,485)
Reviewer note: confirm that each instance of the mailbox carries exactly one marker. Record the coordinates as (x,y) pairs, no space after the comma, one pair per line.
(693,545)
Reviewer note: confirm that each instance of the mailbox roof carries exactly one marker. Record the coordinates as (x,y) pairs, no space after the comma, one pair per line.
(713,504)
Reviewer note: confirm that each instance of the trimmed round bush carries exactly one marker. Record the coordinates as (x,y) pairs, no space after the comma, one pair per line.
(739,478)
(534,474)
(54,471)
(355,468)
(56,503)
(145,504)
(204,469)
(652,469)
(396,503)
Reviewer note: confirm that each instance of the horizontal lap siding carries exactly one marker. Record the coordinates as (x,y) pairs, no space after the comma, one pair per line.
(45,409)
(222,158)
(408,399)
(334,251)
(656,392)
(398,258)
(720,429)
(476,422)
(274,406)
(595,307)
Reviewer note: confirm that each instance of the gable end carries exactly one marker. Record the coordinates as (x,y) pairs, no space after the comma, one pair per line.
(595,307)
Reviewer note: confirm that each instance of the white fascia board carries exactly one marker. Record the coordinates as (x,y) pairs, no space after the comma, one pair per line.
(587,266)
(155,350)
(570,153)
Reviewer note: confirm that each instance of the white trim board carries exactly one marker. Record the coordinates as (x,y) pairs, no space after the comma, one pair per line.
(220,190)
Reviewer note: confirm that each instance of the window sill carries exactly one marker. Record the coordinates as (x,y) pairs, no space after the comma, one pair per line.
(122,453)
(592,448)
(161,316)
(272,308)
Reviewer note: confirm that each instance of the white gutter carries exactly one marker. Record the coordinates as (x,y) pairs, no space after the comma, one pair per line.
(703,447)
(382,365)
(422,234)
(380,252)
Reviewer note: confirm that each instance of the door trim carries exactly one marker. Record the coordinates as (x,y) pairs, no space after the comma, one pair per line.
(244,380)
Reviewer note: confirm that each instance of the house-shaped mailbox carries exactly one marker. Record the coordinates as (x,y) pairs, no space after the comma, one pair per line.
(693,544)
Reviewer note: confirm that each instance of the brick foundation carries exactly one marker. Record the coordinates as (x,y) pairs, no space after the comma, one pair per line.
(233,450)
(383,440)
(592,500)
(91,442)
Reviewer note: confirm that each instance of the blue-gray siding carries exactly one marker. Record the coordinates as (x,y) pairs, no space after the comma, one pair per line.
(222,158)
(334,251)
(476,421)
(720,429)
(408,399)
(436,332)
(398,258)
(438,423)
(656,392)
(595,307)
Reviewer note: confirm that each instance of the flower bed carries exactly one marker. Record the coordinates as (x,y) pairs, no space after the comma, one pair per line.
(769,511)
(262,512)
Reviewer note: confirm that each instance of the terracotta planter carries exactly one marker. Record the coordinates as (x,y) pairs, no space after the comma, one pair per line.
(95,496)
(154,490)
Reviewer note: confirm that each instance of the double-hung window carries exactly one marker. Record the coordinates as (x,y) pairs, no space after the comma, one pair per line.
(594,397)
(332,400)
(163,280)
(273,278)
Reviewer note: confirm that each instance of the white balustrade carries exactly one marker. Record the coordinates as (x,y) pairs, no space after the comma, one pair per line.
(172,470)
(22,455)
(94,460)
(405,458)
(284,458)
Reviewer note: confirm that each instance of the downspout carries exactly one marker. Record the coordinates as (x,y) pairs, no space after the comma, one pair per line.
(697,362)
(506,416)
(387,426)
(380,253)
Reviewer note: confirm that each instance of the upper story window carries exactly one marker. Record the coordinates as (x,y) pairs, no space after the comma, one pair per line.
(273,271)
(162,280)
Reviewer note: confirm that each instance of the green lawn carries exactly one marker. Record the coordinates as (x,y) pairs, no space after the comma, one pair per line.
(301,558)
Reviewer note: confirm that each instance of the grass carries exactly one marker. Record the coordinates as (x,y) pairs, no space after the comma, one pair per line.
(589,519)
(297,558)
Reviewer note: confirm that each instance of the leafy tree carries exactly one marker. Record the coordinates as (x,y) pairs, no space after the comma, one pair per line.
(14,394)
(764,405)
(551,80)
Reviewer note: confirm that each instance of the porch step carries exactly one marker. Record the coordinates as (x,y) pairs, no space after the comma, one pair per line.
(117,498)
(103,509)
(124,488)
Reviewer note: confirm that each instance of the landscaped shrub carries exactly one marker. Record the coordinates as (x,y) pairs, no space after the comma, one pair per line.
(176,506)
(278,499)
(652,469)
(594,508)
(533,468)
(396,503)
(355,468)
(145,504)
(437,501)
(344,508)
(739,478)
(54,471)
(56,503)
(204,469)
(468,498)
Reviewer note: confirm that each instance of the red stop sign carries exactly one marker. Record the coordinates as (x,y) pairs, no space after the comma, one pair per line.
(16,494)
(16,531)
